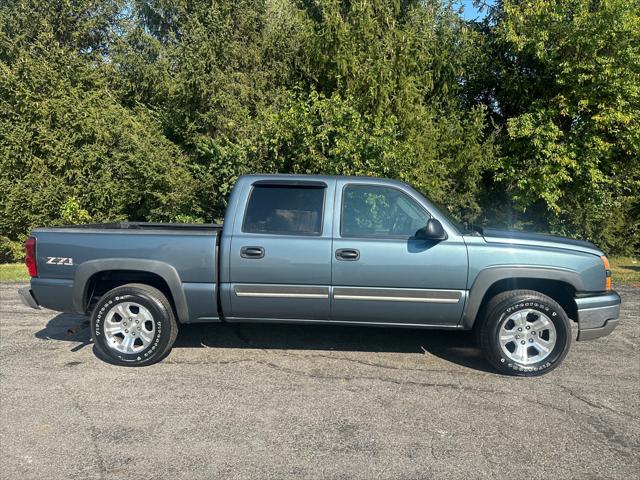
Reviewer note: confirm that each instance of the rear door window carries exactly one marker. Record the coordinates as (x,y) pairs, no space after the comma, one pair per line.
(285,210)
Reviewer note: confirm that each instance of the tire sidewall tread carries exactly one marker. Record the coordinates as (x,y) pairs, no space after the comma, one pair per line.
(163,317)
(507,303)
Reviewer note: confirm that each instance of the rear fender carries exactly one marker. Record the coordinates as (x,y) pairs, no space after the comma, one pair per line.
(169,274)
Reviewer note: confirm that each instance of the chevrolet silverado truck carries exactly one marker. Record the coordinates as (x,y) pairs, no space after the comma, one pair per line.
(325,250)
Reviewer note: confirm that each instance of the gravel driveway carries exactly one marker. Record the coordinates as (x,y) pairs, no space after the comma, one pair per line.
(256,401)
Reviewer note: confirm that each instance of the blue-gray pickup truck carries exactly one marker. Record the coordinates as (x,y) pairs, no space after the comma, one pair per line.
(325,250)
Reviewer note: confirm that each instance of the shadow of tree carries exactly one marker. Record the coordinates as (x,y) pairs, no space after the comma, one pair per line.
(455,347)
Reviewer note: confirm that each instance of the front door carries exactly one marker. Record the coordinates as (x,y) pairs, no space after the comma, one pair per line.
(280,265)
(380,272)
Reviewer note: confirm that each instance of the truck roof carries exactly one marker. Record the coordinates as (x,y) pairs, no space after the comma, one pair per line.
(307,177)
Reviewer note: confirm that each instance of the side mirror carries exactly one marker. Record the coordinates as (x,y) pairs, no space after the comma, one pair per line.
(432,231)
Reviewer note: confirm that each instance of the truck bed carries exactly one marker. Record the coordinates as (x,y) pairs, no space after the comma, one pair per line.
(68,254)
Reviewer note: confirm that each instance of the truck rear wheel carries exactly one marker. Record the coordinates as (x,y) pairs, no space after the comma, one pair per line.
(133,325)
(524,333)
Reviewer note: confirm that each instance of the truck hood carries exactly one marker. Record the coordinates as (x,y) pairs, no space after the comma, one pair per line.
(538,240)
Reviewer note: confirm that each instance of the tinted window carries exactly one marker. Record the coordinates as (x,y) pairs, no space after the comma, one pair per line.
(284,210)
(374,211)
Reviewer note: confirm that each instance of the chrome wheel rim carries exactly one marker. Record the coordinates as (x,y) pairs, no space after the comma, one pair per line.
(527,336)
(129,327)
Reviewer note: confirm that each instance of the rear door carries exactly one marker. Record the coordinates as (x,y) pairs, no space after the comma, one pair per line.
(380,272)
(280,255)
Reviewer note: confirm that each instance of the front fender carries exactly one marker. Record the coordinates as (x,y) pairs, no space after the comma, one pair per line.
(491,275)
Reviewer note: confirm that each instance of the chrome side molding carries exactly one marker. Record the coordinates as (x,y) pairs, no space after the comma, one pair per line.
(397,294)
(349,293)
(281,291)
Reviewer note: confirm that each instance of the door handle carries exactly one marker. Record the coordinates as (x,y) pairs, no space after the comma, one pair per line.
(252,252)
(348,254)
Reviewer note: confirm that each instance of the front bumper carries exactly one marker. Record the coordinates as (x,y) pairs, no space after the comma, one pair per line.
(597,315)
(26,295)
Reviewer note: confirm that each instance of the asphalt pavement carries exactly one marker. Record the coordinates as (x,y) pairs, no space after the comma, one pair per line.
(270,401)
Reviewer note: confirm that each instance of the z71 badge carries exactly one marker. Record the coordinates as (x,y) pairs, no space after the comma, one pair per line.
(59,261)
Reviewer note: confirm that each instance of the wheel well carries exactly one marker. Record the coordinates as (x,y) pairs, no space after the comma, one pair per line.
(561,292)
(101,282)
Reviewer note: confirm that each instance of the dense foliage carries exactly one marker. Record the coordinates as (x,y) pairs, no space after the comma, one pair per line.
(562,81)
(150,109)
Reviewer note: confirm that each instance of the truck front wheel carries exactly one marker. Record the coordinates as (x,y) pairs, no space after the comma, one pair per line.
(524,333)
(133,325)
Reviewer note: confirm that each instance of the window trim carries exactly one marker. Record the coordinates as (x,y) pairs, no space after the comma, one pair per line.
(287,184)
(381,237)
(284,182)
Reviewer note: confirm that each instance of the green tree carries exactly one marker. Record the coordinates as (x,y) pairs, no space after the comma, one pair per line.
(65,137)
(208,69)
(353,83)
(380,94)
(562,80)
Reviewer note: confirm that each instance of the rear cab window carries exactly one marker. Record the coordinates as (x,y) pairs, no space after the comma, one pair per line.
(285,209)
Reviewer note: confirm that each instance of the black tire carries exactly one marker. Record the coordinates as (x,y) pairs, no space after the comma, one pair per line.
(500,310)
(164,325)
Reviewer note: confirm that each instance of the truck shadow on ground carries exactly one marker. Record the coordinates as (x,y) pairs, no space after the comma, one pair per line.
(455,347)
